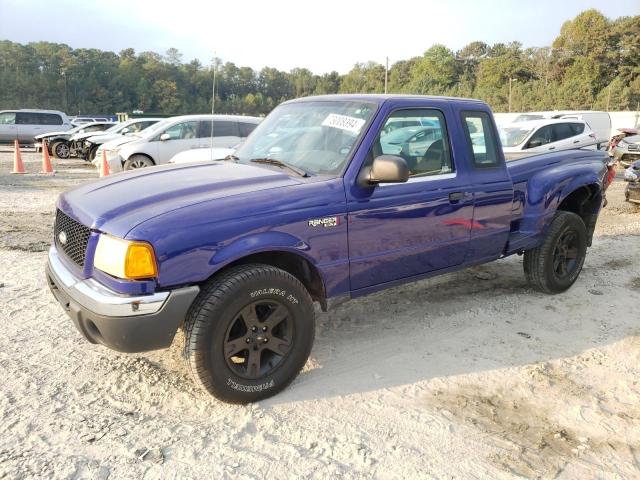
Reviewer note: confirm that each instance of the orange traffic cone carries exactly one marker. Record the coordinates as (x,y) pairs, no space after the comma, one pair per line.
(18,166)
(104,168)
(46,160)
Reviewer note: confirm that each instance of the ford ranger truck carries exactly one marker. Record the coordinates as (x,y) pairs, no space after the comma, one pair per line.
(330,198)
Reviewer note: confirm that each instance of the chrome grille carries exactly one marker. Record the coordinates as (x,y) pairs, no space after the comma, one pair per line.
(76,237)
(633,147)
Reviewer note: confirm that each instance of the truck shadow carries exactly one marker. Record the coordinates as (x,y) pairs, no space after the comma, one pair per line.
(480,319)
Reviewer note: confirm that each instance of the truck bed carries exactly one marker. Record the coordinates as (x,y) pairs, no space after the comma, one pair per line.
(548,173)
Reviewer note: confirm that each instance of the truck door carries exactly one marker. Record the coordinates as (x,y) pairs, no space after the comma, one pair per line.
(402,230)
(491,186)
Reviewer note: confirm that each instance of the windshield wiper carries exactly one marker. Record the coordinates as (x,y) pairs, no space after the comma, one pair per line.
(279,163)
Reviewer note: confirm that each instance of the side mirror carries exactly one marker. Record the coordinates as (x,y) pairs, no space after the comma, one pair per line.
(165,136)
(534,143)
(387,169)
(125,130)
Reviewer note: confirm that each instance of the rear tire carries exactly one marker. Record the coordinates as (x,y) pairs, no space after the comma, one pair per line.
(61,150)
(556,264)
(138,161)
(249,333)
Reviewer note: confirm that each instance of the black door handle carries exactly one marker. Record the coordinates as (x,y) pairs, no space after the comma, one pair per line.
(456,196)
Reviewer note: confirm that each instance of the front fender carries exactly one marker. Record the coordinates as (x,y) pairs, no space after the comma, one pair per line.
(259,243)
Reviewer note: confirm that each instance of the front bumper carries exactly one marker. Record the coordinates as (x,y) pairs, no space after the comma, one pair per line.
(121,322)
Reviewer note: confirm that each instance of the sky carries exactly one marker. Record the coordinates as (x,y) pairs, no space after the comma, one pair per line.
(321,35)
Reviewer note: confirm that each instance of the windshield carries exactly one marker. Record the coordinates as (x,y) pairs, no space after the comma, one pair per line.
(315,136)
(513,136)
(151,130)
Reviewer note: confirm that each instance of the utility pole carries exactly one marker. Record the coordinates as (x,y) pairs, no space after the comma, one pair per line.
(386,75)
(511,80)
(608,96)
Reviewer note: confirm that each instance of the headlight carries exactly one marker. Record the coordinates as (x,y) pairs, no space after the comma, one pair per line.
(124,258)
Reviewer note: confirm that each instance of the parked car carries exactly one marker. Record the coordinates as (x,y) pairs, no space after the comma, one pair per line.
(202,155)
(632,177)
(81,120)
(23,125)
(58,142)
(627,150)
(538,136)
(182,133)
(526,117)
(111,146)
(598,122)
(622,133)
(411,141)
(90,144)
(236,252)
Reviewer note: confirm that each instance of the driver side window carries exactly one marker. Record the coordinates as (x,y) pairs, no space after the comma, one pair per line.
(420,138)
(541,137)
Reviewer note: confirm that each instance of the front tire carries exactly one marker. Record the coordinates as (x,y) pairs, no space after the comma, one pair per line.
(249,333)
(92,153)
(61,150)
(556,264)
(138,161)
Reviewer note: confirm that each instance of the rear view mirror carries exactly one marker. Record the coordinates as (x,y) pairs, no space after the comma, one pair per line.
(388,169)
(165,136)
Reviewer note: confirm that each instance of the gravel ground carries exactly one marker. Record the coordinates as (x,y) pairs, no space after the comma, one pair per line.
(468,375)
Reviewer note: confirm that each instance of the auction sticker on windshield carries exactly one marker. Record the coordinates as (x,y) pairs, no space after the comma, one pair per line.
(343,122)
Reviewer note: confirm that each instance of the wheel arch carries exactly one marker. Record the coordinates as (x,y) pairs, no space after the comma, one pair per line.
(585,201)
(139,154)
(298,265)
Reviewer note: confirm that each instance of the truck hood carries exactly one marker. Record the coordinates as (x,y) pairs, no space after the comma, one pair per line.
(119,202)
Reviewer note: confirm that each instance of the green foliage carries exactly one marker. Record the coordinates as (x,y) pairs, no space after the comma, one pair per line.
(593,63)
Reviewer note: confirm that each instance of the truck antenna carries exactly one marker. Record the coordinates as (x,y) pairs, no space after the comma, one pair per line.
(213,103)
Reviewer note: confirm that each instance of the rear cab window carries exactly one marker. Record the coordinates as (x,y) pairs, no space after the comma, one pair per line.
(481,139)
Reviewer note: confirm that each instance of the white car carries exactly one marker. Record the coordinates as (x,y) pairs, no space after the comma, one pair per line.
(542,136)
(202,155)
(188,132)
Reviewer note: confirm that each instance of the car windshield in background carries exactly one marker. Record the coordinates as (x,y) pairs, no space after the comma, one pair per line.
(513,136)
(315,136)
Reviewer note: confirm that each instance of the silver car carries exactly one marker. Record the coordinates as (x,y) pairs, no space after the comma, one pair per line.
(627,150)
(23,125)
(178,134)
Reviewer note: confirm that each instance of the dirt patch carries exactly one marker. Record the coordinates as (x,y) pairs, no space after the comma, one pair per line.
(635,283)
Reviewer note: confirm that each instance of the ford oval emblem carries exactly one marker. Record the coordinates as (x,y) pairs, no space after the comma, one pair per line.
(62,236)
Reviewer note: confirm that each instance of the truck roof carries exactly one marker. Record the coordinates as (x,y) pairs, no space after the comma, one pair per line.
(380,98)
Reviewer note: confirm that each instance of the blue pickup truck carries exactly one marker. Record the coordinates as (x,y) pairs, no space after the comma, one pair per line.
(325,201)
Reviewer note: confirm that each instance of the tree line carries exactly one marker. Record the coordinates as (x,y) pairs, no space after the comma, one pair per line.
(594,63)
